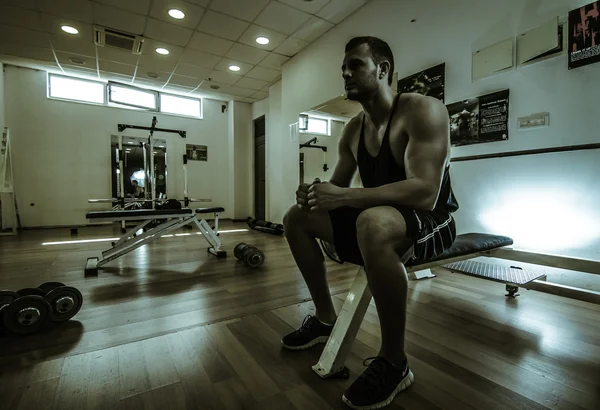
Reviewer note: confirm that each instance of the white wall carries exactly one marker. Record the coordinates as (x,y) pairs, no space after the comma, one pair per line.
(449,32)
(242,159)
(61,152)
(2,109)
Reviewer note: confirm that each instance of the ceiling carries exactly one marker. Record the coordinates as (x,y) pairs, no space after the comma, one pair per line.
(214,35)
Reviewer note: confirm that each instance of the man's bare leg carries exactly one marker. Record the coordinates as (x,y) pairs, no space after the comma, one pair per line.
(301,230)
(381,234)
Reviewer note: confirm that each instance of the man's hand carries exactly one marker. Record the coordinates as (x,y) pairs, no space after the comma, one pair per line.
(324,196)
(302,196)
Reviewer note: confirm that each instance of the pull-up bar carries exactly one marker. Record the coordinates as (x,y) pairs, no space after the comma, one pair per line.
(307,145)
(123,127)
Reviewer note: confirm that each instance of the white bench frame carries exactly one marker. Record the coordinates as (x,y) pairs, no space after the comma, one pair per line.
(131,241)
(339,344)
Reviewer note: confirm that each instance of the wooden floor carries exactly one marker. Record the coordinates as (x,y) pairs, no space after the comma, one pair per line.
(169,326)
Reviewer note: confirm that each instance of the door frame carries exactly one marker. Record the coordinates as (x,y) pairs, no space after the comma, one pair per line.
(253,191)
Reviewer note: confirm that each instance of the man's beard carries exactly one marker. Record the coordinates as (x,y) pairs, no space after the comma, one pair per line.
(362,92)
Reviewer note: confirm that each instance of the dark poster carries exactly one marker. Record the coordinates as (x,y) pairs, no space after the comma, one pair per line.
(196,152)
(427,82)
(479,120)
(584,35)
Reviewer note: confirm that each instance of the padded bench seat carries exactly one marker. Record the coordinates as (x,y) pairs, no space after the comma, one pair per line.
(137,213)
(209,210)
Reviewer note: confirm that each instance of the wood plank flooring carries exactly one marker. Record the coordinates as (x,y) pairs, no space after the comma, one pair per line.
(169,326)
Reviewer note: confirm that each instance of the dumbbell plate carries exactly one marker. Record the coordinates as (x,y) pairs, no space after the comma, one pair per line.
(7,296)
(31,292)
(26,315)
(65,302)
(255,259)
(239,249)
(48,286)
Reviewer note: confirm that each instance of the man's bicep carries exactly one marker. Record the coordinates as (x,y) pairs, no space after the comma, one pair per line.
(428,144)
(346,165)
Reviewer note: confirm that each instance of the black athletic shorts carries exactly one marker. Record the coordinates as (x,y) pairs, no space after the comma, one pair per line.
(433,232)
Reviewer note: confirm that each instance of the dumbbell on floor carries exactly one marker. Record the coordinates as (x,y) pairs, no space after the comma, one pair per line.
(249,254)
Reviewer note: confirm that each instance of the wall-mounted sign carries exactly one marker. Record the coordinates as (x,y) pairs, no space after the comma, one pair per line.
(196,152)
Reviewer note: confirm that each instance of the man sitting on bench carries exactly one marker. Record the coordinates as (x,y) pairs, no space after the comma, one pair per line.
(400,145)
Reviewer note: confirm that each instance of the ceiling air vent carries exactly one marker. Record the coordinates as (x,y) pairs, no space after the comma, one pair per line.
(112,38)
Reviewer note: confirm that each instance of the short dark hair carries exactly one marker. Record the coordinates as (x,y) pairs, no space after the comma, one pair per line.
(380,51)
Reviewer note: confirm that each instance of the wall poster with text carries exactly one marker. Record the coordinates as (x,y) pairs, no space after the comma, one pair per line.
(196,152)
(430,82)
(481,119)
(584,35)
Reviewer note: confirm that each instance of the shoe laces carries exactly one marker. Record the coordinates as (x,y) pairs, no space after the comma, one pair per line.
(376,373)
(308,323)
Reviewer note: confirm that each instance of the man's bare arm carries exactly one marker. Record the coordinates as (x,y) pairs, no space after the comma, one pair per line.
(346,167)
(424,162)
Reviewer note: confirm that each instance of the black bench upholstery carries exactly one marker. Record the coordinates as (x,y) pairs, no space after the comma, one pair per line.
(470,243)
(209,210)
(137,213)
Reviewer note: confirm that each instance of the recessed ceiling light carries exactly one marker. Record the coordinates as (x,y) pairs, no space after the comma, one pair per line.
(70,30)
(152,75)
(234,68)
(176,14)
(262,40)
(162,51)
(78,61)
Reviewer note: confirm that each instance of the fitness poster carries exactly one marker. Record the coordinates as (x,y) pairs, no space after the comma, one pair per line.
(196,152)
(479,120)
(584,35)
(427,82)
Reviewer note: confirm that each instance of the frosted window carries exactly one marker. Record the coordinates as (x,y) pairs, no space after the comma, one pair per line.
(179,105)
(132,96)
(76,89)
(318,126)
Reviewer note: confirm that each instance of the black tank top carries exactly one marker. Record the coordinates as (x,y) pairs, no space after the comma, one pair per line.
(383,168)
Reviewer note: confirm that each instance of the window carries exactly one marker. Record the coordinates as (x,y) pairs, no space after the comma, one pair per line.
(131,96)
(180,105)
(76,89)
(318,126)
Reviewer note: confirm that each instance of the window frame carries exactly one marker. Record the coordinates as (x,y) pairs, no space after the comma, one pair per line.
(50,96)
(308,131)
(200,100)
(115,83)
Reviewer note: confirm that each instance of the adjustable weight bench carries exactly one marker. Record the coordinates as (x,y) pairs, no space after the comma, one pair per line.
(167,220)
(456,258)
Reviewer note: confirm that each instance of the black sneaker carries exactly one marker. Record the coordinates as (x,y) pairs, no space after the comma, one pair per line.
(378,385)
(312,332)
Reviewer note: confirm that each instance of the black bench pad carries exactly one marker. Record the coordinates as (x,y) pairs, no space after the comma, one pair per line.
(470,243)
(209,210)
(137,213)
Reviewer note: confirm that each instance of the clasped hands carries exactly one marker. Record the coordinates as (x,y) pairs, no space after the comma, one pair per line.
(319,196)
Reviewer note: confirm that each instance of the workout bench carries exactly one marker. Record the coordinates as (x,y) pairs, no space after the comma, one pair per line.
(167,220)
(465,247)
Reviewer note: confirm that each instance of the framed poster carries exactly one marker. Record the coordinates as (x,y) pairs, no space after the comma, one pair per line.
(429,82)
(584,35)
(478,120)
(196,152)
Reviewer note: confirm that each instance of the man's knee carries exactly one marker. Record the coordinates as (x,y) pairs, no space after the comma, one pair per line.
(293,218)
(379,229)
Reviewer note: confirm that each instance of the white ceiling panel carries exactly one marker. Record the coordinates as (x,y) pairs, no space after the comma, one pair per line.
(203,3)
(260,95)
(252,84)
(200,59)
(20,50)
(24,36)
(314,28)
(112,67)
(244,10)
(189,70)
(266,74)
(311,7)
(171,33)
(15,16)
(274,61)
(253,32)
(73,45)
(75,60)
(157,76)
(207,85)
(291,46)
(27,4)
(247,54)
(153,64)
(193,13)
(74,9)
(223,78)
(226,62)
(151,45)
(282,18)
(239,91)
(81,72)
(119,19)
(338,10)
(53,24)
(184,81)
(210,44)
(221,25)
(123,79)
(118,55)
(134,6)
(147,83)
(178,90)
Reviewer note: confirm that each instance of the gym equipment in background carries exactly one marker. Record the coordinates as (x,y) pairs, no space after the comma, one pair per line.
(32,310)
(265,226)
(308,143)
(249,254)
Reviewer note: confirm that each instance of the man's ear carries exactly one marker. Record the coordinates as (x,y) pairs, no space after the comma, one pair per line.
(384,68)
